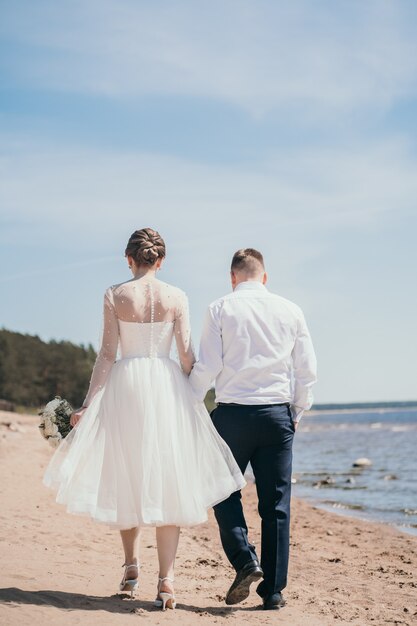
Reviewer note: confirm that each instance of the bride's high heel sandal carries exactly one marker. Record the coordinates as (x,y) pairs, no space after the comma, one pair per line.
(164,599)
(129,584)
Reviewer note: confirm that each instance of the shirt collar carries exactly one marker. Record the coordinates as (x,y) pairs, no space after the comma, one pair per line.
(251,284)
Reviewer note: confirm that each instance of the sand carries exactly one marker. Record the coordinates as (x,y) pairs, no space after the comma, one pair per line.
(61,569)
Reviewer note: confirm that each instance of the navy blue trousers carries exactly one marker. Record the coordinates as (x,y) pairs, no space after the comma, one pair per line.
(263,435)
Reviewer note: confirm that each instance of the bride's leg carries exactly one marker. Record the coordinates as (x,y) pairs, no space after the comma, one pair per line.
(167,541)
(130,541)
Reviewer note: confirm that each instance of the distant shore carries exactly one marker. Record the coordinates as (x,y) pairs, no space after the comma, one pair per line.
(63,569)
(320,407)
(366,409)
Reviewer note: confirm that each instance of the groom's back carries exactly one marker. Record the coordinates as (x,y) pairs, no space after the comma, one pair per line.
(255,344)
(259,332)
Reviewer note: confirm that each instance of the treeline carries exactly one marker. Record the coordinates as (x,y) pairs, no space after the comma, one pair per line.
(33,371)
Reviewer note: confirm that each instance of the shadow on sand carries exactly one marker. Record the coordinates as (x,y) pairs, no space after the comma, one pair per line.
(113,604)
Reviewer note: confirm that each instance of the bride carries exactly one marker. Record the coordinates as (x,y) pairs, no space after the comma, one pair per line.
(144,452)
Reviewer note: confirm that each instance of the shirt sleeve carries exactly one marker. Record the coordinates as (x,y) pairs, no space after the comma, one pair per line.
(210,359)
(182,331)
(108,349)
(304,369)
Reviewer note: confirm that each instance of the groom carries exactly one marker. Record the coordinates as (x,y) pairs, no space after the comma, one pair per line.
(257,348)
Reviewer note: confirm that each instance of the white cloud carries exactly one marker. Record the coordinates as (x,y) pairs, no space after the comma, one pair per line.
(79,186)
(255,54)
(73,210)
(331,219)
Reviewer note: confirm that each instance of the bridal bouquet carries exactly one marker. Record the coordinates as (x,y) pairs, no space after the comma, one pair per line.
(55,421)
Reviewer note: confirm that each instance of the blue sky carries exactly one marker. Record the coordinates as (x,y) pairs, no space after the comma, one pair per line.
(286,126)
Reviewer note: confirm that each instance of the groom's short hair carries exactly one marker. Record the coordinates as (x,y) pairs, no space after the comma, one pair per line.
(248,260)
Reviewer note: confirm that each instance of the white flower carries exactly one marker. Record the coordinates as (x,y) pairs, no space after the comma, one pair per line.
(50,428)
(42,429)
(55,440)
(49,415)
(51,407)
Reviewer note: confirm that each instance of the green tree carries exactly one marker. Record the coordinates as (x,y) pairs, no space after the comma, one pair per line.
(32,371)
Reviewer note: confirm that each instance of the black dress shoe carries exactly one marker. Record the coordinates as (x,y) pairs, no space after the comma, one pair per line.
(273,602)
(239,590)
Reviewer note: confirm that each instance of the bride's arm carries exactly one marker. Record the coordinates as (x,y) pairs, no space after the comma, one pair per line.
(108,349)
(182,331)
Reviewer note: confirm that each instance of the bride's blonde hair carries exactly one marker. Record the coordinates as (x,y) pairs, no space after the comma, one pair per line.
(145,246)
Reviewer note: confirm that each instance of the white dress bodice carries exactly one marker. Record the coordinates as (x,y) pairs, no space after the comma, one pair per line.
(150,340)
(142,316)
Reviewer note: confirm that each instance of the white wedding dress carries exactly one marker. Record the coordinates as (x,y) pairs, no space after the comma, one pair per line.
(145,451)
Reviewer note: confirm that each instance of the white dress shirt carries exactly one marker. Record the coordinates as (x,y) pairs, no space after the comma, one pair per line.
(257,348)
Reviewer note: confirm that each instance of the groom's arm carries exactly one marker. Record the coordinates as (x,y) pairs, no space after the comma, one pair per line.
(304,368)
(210,358)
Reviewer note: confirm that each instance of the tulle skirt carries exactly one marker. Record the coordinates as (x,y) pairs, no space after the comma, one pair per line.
(145,453)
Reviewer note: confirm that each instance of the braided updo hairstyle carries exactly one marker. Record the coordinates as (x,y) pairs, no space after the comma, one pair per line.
(145,246)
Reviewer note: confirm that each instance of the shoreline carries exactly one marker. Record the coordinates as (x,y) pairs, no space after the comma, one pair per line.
(382,491)
(352,513)
(342,569)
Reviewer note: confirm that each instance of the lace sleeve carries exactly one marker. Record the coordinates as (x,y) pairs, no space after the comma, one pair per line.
(108,349)
(182,330)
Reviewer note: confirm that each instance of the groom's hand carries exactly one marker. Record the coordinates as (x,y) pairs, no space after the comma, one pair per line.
(77,415)
(295,425)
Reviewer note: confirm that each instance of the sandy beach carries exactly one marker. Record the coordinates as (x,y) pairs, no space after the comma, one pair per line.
(62,569)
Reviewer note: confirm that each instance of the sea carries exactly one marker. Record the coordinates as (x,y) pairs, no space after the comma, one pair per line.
(326,446)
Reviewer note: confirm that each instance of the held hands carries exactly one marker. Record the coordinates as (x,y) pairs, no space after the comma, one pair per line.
(77,415)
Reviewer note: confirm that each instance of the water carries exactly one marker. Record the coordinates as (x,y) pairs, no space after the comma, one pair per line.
(327,444)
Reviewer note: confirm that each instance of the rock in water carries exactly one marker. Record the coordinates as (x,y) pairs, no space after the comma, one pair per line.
(362,462)
(325,481)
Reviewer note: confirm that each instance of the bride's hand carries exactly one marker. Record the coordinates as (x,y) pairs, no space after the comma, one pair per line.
(77,415)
